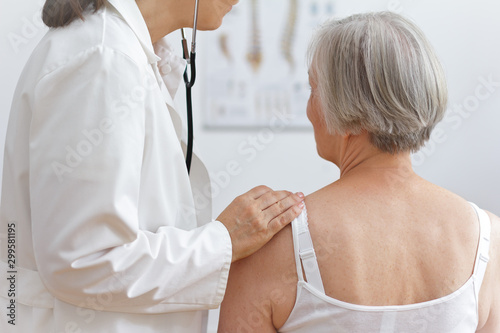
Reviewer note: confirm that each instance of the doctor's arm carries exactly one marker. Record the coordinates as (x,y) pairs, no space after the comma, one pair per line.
(87,143)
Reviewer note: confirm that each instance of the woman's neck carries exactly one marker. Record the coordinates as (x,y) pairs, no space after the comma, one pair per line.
(357,154)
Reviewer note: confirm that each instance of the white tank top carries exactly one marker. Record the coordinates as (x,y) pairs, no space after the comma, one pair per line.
(315,312)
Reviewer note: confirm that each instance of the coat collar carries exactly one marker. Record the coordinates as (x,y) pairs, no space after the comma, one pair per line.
(170,66)
(130,12)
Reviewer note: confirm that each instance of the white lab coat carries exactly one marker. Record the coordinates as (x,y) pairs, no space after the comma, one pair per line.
(111,232)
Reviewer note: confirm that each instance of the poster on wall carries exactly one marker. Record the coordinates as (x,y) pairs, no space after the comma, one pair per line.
(257,68)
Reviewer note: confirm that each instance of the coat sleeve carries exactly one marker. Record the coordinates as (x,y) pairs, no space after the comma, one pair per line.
(86,151)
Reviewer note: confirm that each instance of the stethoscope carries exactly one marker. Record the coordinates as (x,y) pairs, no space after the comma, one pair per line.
(191,61)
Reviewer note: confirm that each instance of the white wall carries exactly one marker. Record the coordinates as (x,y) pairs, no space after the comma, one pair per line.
(464,157)
(20,30)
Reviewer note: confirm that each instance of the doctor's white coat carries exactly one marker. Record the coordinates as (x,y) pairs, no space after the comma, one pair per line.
(110,233)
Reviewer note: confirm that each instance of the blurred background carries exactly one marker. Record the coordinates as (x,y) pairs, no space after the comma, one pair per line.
(250,97)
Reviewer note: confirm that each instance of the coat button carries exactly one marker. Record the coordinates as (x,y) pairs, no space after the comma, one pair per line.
(165,69)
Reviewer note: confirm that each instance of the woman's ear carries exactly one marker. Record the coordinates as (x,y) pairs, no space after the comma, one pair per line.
(347,135)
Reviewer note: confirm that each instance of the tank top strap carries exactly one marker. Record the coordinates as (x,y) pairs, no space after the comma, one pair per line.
(482,256)
(305,256)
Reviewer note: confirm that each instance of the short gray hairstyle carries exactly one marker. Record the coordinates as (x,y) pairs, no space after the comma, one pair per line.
(377,72)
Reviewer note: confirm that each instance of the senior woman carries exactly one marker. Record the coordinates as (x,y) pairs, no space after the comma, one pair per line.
(381,249)
(107,231)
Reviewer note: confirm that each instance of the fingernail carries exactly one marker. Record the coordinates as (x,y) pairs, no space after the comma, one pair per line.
(301,205)
(301,195)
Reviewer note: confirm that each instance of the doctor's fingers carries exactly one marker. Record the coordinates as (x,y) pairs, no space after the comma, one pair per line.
(277,198)
(257,192)
(285,218)
(282,206)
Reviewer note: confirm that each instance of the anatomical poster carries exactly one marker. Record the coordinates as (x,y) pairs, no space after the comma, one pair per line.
(257,63)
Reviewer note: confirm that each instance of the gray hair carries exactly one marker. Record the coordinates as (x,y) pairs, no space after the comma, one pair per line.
(377,72)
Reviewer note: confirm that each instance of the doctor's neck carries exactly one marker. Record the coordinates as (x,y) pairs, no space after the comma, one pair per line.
(165,16)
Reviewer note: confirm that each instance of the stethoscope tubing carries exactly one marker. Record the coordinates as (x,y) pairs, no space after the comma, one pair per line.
(189,106)
(189,82)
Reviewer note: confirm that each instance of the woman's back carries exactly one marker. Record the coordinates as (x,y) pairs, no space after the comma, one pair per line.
(394,243)
(380,240)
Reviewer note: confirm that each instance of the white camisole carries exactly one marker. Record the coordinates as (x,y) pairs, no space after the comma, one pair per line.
(315,312)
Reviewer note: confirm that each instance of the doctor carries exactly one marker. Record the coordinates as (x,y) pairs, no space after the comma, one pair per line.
(106,230)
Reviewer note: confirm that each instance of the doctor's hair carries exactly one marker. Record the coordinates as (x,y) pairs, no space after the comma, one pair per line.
(377,73)
(60,13)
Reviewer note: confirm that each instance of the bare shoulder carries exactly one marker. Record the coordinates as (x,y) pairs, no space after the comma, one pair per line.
(446,199)
(266,264)
(495,248)
(489,297)
(495,225)
(261,287)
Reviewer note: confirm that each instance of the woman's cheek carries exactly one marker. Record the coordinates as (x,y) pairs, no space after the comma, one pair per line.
(308,110)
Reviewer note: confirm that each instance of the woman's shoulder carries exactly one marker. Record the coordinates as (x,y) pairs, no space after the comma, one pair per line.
(495,228)
(262,287)
(489,297)
(353,197)
(270,266)
(495,243)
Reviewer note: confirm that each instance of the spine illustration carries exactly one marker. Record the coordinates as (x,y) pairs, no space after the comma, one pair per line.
(254,56)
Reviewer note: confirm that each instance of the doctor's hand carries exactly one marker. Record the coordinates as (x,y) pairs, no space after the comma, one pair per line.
(253,218)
